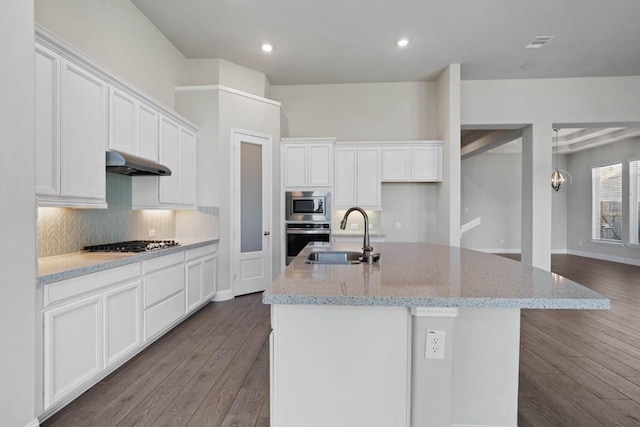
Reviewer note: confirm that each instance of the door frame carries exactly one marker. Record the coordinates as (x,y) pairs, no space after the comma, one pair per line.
(235,201)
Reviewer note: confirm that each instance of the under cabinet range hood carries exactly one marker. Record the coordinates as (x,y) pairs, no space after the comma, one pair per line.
(127,164)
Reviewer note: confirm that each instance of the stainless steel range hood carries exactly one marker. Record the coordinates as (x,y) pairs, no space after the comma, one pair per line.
(127,164)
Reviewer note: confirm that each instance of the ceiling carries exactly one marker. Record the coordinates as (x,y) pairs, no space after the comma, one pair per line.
(353,41)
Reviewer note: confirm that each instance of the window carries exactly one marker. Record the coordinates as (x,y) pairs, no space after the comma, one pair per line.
(607,203)
(634,201)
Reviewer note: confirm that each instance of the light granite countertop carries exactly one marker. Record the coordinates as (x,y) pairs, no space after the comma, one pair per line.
(427,275)
(60,267)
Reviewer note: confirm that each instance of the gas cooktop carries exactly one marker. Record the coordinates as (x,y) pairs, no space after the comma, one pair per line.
(133,246)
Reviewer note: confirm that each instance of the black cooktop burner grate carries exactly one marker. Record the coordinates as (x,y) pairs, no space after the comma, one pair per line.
(133,246)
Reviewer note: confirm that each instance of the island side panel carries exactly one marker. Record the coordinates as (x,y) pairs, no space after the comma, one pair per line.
(485,367)
(340,366)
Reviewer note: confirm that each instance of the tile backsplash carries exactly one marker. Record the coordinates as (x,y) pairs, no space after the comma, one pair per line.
(63,230)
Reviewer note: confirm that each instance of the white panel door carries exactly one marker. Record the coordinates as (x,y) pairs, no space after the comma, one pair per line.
(320,165)
(426,164)
(83,133)
(123,122)
(295,165)
(47,110)
(395,163)
(187,167)
(369,189)
(72,347)
(169,156)
(345,180)
(148,140)
(194,283)
(123,321)
(252,212)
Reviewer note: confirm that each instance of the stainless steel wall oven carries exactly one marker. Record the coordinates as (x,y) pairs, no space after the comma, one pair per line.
(308,219)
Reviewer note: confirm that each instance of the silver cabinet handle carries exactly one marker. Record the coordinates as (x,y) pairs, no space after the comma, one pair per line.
(266,233)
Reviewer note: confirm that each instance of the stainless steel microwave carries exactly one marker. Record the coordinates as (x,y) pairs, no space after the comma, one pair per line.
(308,206)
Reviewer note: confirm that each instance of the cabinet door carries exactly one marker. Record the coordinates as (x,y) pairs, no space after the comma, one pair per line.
(47,109)
(295,165)
(123,321)
(72,347)
(209,277)
(395,163)
(369,174)
(345,180)
(194,281)
(426,164)
(187,167)
(320,165)
(123,122)
(148,132)
(83,133)
(169,191)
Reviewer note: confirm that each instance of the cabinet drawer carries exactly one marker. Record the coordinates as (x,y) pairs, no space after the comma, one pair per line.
(162,284)
(161,262)
(162,315)
(202,251)
(79,285)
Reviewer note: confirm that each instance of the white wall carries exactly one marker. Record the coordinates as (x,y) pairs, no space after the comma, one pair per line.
(415,207)
(361,112)
(17,215)
(117,35)
(541,103)
(579,198)
(218,71)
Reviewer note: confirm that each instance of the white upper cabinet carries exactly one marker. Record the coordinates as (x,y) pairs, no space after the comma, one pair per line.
(307,162)
(47,122)
(70,133)
(358,177)
(414,162)
(123,122)
(178,153)
(133,125)
(148,122)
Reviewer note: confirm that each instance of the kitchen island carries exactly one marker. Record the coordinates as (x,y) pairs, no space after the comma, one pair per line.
(349,342)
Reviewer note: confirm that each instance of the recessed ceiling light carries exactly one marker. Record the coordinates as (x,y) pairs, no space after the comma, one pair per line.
(538,42)
(267,47)
(403,42)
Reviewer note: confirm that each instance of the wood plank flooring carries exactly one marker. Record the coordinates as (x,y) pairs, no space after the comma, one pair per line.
(577,368)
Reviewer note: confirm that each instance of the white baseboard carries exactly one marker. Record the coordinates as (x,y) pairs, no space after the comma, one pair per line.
(605,257)
(34,423)
(497,250)
(480,425)
(225,295)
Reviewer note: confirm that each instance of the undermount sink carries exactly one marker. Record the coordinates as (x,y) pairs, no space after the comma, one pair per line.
(334,257)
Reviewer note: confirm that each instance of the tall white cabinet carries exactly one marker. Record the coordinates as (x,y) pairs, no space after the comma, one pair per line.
(358,174)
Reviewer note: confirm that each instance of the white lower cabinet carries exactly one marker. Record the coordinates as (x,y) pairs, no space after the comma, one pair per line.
(122,321)
(72,347)
(201,269)
(92,324)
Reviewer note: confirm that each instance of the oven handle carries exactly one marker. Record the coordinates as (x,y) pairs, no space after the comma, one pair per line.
(296,231)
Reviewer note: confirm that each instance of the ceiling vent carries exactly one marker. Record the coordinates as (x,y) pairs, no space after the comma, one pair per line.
(538,42)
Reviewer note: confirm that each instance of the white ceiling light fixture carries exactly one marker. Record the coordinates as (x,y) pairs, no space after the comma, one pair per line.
(266,47)
(403,42)
(560,179)
(538,42)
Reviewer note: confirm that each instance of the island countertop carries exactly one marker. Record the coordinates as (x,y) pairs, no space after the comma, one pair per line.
(427,275)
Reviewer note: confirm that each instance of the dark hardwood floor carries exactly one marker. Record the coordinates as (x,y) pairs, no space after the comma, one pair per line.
(577,367)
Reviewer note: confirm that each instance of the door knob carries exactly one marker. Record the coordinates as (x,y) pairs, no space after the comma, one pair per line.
(266,233)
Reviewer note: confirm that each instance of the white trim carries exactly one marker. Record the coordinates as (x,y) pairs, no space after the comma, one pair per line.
(603,257)
(498,250)
(481,425)
(225,295)
(309,139)
(470,225)
(34,423)
(607,242)
(434,142)
(67,51)
(434,311)
(228,90)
